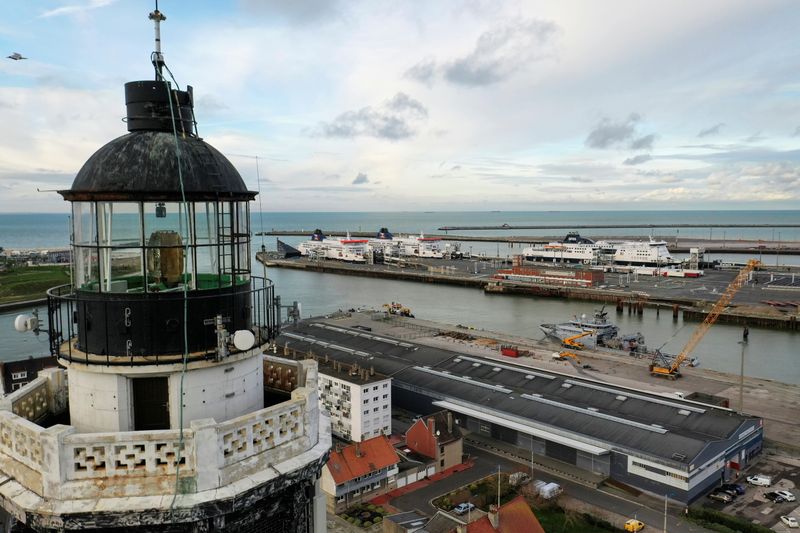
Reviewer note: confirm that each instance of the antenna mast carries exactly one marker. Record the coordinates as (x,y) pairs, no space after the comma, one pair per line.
(158,59)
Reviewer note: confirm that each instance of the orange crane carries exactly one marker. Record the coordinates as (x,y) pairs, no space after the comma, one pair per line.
(662,366)
(572,341)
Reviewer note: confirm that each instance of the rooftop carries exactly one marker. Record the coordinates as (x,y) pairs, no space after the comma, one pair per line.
(595,415)
(360,459)
(516,516)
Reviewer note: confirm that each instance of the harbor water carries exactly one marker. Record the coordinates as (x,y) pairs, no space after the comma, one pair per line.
(768,354)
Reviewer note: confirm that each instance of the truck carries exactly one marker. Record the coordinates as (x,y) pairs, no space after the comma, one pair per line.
(545,490)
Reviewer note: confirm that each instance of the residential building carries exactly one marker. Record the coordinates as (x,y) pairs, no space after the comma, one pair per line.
(408,522)
(437,437)
(358,399)
(359,472)
(515,516)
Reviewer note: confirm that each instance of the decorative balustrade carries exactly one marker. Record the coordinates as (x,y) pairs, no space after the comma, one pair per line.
(262,430)
(136,453)
(58,462)
(21,440)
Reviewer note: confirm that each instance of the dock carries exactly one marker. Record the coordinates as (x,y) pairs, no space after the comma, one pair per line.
(674,245)
(691,297)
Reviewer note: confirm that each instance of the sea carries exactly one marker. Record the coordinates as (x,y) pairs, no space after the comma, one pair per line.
(769,354)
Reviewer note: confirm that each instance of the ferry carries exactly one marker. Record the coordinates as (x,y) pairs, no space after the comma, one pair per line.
(341,249)
(576,249)
(410,246)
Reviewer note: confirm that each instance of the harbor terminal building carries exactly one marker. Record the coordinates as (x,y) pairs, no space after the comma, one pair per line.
(664,445)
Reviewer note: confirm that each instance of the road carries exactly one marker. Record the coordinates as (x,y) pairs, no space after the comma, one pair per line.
(486,463)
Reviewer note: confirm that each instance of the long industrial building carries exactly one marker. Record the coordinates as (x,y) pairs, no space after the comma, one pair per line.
(661,445)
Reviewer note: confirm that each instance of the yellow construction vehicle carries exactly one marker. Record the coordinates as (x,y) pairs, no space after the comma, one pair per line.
(670,368)
(572,342)
(564,355)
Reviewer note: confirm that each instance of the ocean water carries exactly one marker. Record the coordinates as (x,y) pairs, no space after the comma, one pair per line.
(46,230)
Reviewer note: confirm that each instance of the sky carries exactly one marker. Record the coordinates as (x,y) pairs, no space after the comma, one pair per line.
(418,105)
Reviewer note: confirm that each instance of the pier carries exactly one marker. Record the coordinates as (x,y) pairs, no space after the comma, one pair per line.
(691,297)
(611,226)
(674,244)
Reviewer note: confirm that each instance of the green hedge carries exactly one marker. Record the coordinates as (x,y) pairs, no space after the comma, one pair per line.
(723,522)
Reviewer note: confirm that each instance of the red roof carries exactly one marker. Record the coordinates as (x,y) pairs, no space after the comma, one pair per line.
(516,516)
(375,453)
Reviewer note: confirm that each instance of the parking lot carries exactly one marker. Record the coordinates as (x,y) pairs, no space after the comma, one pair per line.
(753,506)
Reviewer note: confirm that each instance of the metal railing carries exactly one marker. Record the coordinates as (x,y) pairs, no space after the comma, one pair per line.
(64,322)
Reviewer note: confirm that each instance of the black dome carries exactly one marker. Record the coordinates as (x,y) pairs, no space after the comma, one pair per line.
(142,166)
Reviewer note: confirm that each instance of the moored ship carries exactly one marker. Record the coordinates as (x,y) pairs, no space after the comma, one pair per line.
(576,249)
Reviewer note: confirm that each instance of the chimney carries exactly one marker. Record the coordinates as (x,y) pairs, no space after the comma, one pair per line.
(449,422)
(432,426)
(494,516)
(371,370)
(358,448)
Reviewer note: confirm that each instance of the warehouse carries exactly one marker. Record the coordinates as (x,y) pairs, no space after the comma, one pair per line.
(662,445)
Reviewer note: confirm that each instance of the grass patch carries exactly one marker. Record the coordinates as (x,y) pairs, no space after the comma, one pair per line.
(554,519)
(22,283)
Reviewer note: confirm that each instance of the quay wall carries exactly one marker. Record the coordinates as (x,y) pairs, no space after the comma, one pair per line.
(633,301)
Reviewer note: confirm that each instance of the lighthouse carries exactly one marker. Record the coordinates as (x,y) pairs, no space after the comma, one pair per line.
(165,414)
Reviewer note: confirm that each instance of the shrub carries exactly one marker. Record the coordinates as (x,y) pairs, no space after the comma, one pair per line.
(357,523)
(367,523)
(370,507)
(350,519)
(380,510)
(378,519)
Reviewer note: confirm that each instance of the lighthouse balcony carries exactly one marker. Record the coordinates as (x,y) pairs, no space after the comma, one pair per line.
(54,476)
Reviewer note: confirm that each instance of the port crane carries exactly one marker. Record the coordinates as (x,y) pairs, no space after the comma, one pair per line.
(662,366)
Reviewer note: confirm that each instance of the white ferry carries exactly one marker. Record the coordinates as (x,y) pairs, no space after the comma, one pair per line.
(340,249)
(577,249)
(409,246)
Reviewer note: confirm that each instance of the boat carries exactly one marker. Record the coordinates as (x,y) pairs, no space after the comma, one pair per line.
(388,245)
(576,249)
(337,248)
(572,249)
(600,329)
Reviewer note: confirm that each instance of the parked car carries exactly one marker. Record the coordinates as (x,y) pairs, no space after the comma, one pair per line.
(721,496)
(774,497)
(760,480)
(788,496)
(738,488)
(790,521)
(634,525)
(462,508)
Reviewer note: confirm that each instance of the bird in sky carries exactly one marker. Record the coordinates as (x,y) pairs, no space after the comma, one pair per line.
(16,56)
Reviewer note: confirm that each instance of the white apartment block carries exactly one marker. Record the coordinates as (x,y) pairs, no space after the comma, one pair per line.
(359,401)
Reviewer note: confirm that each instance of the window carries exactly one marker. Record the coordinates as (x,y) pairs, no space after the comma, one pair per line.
(19,375)
(385,396)
(386,429)
(340,499)
(375,387)
(375,410)
(386,406)
(366,401)
(17,386)
(385,385)
(376,485)
(366,391)
(375,399)
(366,412)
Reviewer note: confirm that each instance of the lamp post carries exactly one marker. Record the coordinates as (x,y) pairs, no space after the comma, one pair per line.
(741,378)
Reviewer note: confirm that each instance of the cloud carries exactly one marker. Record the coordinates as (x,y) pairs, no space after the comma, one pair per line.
(643,143)
(293,11)
(76,9)
(497,55)
(754,138)
(361,179)
(394,119)
(423,72)
(713,130)
(637,159)
(608,133)
(796,132)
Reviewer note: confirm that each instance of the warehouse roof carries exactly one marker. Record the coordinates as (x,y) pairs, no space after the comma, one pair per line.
(598,415)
